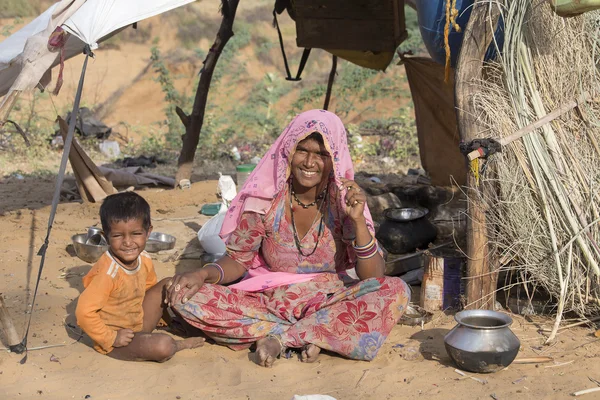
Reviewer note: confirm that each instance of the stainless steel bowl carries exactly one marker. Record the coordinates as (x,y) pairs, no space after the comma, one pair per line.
(158,241)
(406,213)
(415,315)
(89,253)
(482,341)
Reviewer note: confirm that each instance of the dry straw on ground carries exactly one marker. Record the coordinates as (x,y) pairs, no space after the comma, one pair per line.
(544,217)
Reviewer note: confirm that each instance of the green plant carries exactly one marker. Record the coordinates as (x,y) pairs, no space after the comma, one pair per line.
(192,25)
(352,85)
(262,49)
(229,64)
(397,136)
(310,97)
(18,8)
(173,98)
(38,129)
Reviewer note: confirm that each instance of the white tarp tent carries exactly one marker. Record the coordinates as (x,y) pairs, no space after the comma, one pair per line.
(98,18)
(25,56)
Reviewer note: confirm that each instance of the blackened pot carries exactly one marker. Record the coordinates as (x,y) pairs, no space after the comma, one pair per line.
(405,230)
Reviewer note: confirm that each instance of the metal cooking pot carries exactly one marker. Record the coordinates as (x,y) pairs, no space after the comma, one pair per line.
(482,341)
(406,229)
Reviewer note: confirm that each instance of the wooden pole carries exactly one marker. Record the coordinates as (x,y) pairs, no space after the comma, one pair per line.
(481,271)
(9,327)
(7,105)
(537,124)
(193,123)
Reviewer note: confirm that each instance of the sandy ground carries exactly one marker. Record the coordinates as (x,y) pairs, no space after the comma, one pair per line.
(412,363)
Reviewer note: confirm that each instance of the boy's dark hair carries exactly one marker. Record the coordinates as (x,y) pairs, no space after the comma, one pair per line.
(124,207)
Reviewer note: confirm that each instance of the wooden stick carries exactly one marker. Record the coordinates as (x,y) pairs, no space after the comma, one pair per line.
(7,105)
(41,347)
(6,321)
(537,124)
(559,365)
(361,378)
(461,373)
(575,324)
(533,360)
(586,391)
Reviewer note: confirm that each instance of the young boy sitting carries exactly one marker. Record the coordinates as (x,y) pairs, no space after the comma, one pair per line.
(122,303)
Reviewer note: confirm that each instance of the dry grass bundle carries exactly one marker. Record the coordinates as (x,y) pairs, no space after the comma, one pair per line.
(545,209)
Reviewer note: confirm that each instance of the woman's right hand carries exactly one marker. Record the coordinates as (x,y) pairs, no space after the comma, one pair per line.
(184,286)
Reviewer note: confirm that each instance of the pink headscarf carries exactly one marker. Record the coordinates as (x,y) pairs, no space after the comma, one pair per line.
(272,172)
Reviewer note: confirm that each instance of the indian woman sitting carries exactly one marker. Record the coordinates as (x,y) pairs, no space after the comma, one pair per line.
(296,227)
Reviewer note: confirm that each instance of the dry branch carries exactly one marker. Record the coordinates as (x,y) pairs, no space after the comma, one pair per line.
(194,121)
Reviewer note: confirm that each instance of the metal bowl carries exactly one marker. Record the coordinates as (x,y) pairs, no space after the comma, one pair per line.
(159,241)
(89,253)
(415,315)
(405,214)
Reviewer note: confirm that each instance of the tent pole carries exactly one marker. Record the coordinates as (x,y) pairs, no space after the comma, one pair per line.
(7,105)
(482,273)
(193,123)
(55,199)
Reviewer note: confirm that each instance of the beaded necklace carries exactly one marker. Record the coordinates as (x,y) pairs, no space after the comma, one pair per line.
(305,206)
(295,231)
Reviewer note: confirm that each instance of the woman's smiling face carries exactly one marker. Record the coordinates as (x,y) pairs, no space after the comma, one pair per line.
(311,162)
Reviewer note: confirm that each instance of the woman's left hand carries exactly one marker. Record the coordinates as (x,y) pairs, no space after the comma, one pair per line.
(355,200)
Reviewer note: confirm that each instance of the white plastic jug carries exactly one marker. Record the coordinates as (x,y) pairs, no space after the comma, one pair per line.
(209,237)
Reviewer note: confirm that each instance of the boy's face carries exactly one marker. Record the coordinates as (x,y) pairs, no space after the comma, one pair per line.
(127,239)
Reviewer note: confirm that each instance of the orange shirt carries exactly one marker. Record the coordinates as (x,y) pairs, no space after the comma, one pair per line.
(112,299)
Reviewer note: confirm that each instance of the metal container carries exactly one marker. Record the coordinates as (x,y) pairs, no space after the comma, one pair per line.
(89,253)
(159,241)
(415,315)
(406,229)
(482,341)
(93,230)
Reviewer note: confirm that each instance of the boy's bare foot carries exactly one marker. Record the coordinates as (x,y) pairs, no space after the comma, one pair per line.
(189,343)
(310,353)
(267,351)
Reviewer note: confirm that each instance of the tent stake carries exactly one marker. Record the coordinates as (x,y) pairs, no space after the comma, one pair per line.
(193,123)
(482,274)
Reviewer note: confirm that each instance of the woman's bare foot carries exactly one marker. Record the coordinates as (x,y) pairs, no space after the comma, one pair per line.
(310,353)
(267,351)
(189,343)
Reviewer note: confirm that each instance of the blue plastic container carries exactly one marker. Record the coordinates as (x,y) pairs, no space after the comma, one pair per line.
(432,20)
(453,288)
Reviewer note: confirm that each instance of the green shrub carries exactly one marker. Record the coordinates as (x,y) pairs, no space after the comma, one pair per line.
(19,8)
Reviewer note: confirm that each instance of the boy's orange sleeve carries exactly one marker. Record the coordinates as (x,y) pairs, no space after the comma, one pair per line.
(92,300)
(151,278)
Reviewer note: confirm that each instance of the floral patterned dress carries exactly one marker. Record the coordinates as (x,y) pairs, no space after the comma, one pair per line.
(331,311)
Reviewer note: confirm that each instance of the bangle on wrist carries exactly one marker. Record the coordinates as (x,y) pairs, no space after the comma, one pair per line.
(366,251)
(219,268)
(366,246)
